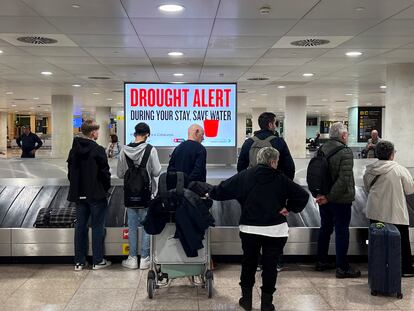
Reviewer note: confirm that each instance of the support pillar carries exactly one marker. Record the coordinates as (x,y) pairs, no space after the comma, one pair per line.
(241,129)
(3,134)
(62,125)
(102,118)
(295,125)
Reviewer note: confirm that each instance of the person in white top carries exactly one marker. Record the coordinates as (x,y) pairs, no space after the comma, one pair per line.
(387,184)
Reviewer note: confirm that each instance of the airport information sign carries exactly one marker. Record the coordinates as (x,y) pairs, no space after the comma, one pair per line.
(169,109)
(369,118)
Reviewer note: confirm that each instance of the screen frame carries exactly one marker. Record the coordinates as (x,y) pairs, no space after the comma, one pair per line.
(190,83)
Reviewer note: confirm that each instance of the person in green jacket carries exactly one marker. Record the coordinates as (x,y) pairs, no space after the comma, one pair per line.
(335,207)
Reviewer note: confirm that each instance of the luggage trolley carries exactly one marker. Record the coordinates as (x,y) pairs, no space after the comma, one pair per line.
(168,260)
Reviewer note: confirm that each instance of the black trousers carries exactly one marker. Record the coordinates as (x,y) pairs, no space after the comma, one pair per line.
(406,257)
(271,249)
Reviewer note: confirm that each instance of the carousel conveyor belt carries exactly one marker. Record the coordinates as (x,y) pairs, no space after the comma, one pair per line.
(21,199)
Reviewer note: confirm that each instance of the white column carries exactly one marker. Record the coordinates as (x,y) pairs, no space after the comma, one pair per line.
(102,118)
(3,134)
(399,104)
(120,126)
(256,112)
(295,125)
(241,129)
(62,125)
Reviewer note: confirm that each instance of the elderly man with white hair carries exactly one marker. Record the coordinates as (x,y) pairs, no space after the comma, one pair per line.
(266,196)
(335,207)
(372,143)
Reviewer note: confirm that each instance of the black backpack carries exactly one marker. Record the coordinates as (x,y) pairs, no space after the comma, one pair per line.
(318,175)
(137,183)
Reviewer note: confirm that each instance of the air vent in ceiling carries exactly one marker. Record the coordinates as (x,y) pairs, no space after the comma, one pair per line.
(118,91)
(310,42)
(19,99)
(37,40)
(241,91)
(99,78)
(258,79)
(341,101)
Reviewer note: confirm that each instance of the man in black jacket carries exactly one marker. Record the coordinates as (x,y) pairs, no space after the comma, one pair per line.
(267,123)
(90,180)
(266,197)
(28,142)
(190,156)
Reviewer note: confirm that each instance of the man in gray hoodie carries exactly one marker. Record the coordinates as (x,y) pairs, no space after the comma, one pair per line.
(135,151)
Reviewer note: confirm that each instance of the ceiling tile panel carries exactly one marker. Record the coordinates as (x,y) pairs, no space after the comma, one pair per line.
(189,42)
(54,51)
(116,52)
(137,61)
(252,27)
(25,24)
(190,53)
(158,26)
(57,60)
(225,61)
(378,42)
(242,42)
(238,53)
(15,8)
(392,27)
(119,41)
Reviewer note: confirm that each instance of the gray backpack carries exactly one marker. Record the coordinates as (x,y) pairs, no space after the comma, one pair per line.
(257,145)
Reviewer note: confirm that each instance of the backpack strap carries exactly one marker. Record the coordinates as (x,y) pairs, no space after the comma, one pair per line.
(255,138)
(146,156)
(162,184)
(129,162)
(180,183)
(374,180)
(270,138)
(334,151)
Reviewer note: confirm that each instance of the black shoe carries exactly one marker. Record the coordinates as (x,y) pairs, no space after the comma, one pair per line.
(409,273)
(246,300)
(323,266)
(347,274)
(266,303)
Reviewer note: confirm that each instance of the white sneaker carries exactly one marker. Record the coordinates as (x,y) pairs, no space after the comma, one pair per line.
(131,262)
(103,264)
(81,266)
(144,263)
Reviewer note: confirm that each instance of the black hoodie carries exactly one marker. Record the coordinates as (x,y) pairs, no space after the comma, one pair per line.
(88,170)
(262,192)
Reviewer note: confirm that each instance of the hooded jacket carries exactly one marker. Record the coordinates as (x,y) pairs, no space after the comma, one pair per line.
(386,198)
(135,151)
(341,166)
(262,192)
(286,164)
(88,170)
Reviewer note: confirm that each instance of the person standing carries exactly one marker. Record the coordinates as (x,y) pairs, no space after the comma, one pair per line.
(113,148)
(29,142)
(372,142)
(90,180)
(387,184)
(190,156)
(335,207)
(266,197)
(135,152)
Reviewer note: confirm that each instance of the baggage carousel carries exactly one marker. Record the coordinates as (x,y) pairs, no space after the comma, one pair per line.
(22,198)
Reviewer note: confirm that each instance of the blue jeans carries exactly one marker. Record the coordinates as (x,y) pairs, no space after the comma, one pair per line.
(97,210)
(338,216)
(135,217)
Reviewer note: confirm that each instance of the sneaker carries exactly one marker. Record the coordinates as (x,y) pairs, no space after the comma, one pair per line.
(102,265)
(259,268)
(279,267)
(144,263)
(80,266)
(347,274)
(131,262)
(323,266)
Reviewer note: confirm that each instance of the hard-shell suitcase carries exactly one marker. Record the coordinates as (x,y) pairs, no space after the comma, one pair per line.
(384,260)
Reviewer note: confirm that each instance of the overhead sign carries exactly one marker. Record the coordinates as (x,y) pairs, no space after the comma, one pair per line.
(169,109)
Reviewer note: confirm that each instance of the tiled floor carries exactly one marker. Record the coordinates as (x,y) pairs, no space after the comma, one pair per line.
(58,287)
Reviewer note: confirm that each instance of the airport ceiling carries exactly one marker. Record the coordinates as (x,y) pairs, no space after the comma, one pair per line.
(221,41)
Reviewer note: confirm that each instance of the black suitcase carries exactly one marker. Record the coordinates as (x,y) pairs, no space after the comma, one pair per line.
(384,260)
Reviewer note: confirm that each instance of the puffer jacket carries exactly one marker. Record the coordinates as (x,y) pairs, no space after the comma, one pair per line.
(341,167)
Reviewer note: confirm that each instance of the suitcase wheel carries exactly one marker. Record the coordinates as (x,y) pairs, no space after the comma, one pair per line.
(374,293)
(399,295)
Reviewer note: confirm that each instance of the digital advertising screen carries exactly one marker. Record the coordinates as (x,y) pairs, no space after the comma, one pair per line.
(169,110)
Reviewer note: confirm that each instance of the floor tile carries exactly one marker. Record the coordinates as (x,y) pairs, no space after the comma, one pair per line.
(102,300)
(112,278)
(226,299)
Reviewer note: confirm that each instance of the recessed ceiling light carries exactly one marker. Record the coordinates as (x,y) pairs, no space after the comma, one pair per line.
(109,99)
(264,94)
(14,105)
(76,85)
(1,52)
(308,74)
(349,94)
(359,9)
(9,93)
(75,6)
(178,74)
(46,73)
(353,54)
(175,53)
(96,93)
(324,100)
(316,110)
(16,111)
(369,104)
(31,107)
(281,87)
(383,86)
(35,98)
(170,8)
